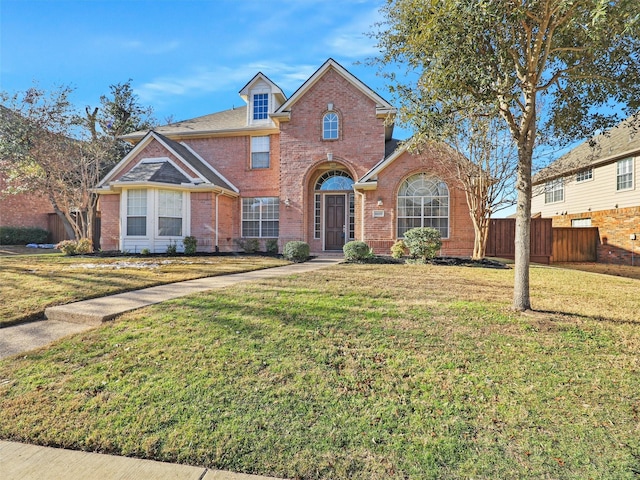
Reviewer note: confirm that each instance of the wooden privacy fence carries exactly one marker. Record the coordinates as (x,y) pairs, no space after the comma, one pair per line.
(575,244)
(57,232)
(502,234)
(548,244)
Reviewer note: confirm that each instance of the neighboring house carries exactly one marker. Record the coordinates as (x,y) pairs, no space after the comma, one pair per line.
(320,166)
(595,185)
(22,209)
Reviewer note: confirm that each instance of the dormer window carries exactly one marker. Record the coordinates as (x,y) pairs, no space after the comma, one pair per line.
(330,126)
(260,106)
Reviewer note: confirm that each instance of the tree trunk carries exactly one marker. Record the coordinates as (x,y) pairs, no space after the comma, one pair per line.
(68,228)
(521,298)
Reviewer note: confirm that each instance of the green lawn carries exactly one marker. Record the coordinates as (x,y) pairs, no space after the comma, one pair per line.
(354,372)
(31,283)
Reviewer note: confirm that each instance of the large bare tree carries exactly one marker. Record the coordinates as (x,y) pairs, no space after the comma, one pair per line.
(548,68)
(47,146)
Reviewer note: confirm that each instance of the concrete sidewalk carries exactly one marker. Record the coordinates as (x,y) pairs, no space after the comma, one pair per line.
(19,461)
(98,310)
(26,462)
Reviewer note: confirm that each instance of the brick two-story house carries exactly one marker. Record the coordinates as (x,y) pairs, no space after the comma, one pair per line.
(595,185)
(320,166)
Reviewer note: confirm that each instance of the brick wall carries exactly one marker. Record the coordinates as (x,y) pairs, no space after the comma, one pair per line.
(110,227)
(381,233)
(304,153)
(615,227)
(24,210)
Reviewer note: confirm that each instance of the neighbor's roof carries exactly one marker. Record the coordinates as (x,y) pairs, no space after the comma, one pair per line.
(619,142)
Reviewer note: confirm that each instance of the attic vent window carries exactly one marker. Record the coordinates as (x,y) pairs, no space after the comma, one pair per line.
(260,106)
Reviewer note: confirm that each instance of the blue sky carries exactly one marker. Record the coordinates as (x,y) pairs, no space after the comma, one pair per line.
(186,58)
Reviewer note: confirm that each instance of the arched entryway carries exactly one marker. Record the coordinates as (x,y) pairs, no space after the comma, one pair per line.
(334,209)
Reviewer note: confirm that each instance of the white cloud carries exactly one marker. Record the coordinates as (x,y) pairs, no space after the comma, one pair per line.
(223,79)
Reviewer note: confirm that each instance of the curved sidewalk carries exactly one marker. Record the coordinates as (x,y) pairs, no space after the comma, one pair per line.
(20,461)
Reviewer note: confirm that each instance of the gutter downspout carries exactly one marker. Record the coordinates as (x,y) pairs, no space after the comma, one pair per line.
(362,198)
(217,246)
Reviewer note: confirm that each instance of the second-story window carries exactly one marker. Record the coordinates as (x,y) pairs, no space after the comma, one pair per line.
(624,177)
(260,106)
(260,152)
(554,191)
(330,126)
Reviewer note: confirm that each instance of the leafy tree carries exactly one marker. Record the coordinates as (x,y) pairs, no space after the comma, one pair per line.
(548,68)
(484,162)
(46,146)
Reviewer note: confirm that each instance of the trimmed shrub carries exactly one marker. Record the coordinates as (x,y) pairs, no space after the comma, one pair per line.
(296,251)
(172,248)
(75,247)
(272,246)
(190,245)
(84,245)
(248,245)
(68,247)
(356,251)
(398,249)
(22,235)
(423,242)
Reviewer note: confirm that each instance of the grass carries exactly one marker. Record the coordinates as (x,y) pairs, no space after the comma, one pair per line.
(354,372)
(31,283)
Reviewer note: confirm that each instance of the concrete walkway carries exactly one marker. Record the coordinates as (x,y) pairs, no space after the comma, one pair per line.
(26,462)
(19,461)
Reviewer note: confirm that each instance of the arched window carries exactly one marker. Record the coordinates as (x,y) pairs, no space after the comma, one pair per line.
(334,180)
(423,201)
(330,126)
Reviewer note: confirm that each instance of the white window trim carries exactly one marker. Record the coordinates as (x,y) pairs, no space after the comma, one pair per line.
(152,217)
(584,180)
(268,137)
(551,187)
(324,131)
(399,217)
(633,176)
(260,220)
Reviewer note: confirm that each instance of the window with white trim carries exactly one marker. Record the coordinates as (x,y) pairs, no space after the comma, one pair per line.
(260,106)
(330,126)
(554,191)
(169,213)
(260,217)
(624,174)
(581,222)
(136,213)
(260,152)
(423,201)
(584,175)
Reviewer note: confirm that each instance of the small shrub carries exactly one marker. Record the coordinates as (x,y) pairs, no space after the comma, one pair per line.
(398,249)
(22,235)
(248,245)
(83,246)
(296,251)
(68,247)
(190,245)
(145,251)
(423,243)
(356,251)
(272,246)
(172,248)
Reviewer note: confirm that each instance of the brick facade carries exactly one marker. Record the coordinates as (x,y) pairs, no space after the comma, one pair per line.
(615,228)
(24,209)
(299,156)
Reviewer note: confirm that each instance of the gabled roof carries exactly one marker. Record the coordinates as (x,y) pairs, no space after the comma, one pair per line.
(392,150)
(158,172)
(621,141)
(275,89)
(383,108)
(150,171)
